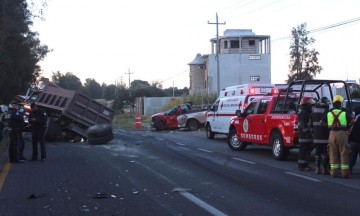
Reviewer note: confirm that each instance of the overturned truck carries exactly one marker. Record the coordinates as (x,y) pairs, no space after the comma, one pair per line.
(71,113)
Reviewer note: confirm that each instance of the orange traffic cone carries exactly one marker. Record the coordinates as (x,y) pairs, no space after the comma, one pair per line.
(138,122)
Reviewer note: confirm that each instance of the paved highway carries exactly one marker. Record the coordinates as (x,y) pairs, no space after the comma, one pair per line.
(169,173)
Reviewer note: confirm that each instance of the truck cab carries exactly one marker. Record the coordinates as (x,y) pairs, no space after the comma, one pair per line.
(272,120)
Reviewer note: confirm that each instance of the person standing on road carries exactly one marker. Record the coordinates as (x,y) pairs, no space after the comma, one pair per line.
(321,137)
(305,133)
(38,120)
(15,122)
(354,141)
(338,122)
(20,137)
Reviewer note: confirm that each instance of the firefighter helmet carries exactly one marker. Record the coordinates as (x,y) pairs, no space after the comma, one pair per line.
(338,98)
(307,100)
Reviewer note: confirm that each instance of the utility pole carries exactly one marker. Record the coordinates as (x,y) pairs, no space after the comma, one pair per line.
(128,73)
(217,51)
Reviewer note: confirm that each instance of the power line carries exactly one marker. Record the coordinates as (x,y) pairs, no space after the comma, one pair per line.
(322,28)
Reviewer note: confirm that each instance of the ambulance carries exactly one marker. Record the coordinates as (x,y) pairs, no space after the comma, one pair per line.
(230,99)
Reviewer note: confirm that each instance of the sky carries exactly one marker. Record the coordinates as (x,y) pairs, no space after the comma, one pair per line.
(114,41)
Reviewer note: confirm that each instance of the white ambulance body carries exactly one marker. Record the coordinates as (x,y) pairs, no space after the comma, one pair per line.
(231,99)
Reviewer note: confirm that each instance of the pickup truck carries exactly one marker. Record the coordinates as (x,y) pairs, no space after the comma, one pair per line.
(273,120)
(182,116)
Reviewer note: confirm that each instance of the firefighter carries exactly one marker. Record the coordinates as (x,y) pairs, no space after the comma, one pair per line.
(338,122)
(305,133)
(321,136)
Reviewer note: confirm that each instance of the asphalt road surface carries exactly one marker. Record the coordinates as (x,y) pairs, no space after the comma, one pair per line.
(169,173)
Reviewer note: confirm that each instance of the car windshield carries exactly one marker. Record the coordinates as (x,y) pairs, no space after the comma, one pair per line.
(171,111)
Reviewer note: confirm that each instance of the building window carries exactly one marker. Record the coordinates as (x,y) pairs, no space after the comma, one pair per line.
(254,78)
(225,44)
(251,42)
(234,44)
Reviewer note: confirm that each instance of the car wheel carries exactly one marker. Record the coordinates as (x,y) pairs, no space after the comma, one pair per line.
(159,125)
(209,133)
(278,149)
(233,141)
(193,125)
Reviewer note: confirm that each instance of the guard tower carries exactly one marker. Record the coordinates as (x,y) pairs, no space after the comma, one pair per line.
(244,58)
(197,76)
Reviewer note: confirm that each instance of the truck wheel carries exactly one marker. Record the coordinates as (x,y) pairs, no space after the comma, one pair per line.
(234,143)
(209,133)
(53,129)
(278,149)
(159,125)
(99,130)
(101,140)
(193,125)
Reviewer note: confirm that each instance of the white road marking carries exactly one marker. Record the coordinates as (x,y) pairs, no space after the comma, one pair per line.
(245,161)
(204,150)
(181,144)
(304,177)
(212,210)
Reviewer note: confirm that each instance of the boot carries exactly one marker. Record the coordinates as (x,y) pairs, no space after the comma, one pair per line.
(326,165)
(317,165)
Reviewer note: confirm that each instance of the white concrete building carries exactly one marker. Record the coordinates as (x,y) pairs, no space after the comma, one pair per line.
(243,58)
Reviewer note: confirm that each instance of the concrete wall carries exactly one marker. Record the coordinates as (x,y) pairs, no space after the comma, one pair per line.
(151,105)
(236,69)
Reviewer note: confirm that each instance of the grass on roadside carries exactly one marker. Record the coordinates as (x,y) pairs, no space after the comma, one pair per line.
(127,121)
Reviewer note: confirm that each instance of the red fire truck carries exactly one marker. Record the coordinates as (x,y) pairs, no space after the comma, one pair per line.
(272,120)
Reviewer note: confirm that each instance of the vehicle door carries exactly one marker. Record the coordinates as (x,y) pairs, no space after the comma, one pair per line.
(245,128)
(182,117)
(171,117)
(212,115)
(257,122)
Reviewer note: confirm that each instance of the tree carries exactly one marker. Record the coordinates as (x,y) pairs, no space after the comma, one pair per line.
(92,88)
(303,60)
(67,81)
(20,49)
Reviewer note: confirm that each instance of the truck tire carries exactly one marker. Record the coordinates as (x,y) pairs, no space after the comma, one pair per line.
(278,149)
(99,130)
(234,143)
(193,125)
(101,140)
(209,133)
(53,130)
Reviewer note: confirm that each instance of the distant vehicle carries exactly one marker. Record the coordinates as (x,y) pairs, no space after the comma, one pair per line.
(232,98)
(273,120)
(182,116)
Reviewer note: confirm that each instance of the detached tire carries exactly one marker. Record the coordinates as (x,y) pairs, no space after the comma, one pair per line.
(101,140)
(100,130)
(99,134)
(234,143)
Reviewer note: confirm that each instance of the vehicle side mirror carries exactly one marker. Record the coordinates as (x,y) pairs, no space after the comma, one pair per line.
(238,113)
